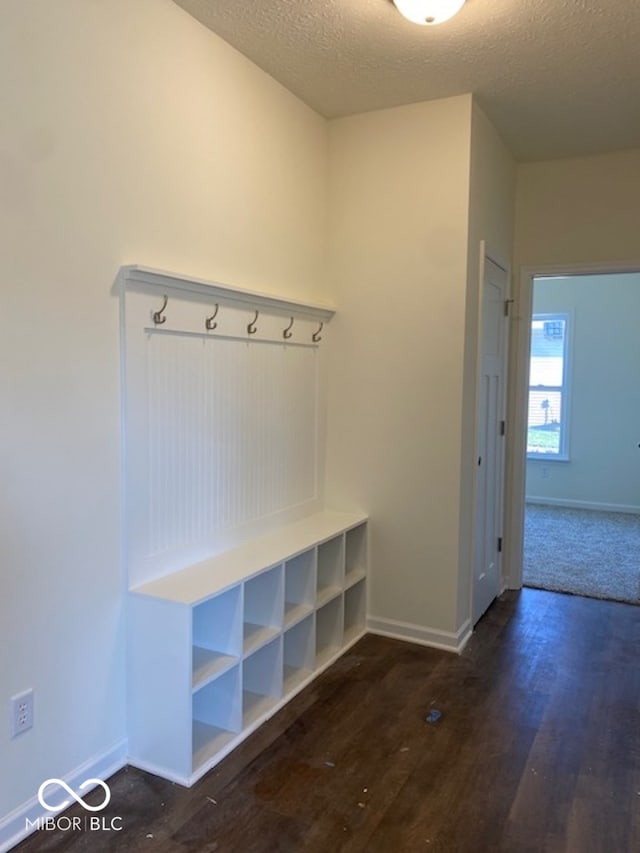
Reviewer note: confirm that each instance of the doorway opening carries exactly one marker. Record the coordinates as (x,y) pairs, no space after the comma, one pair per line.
(581,520)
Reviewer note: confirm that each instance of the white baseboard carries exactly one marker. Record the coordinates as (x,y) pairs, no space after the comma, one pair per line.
(432,637)
(165,773)
(13,827)
(570,504)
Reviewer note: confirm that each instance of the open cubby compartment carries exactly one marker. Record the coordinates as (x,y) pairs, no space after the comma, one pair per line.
(217,716)
(355,554)
(261,681)
(330,571)
(217,635)
(355,611)
(263,608)
(299,654)
(299,587)
(329,630)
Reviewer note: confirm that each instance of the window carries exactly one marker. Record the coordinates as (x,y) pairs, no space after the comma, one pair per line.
(546,425)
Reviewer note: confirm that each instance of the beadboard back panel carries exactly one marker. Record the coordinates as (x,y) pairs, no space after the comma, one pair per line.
(222,428)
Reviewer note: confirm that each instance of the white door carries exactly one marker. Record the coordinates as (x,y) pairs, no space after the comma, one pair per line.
(487,581)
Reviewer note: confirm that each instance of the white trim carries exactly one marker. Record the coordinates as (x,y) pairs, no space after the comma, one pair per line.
(588,505)
(604,268)
(13,827)
(135,276)
(423,636)
(482,260)
(487,253)
(517,426)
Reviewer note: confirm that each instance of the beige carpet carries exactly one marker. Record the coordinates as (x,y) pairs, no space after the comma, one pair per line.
(584,552)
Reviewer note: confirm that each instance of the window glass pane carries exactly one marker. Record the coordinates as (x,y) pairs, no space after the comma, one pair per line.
(544,422)
(546,371)
(547,352)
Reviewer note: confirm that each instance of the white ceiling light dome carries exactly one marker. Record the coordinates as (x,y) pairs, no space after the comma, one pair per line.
(428,12)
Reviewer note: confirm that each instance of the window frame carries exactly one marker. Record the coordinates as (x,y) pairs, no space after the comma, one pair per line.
(564,389)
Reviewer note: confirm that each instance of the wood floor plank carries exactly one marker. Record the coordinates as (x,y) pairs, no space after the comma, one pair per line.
(537,750)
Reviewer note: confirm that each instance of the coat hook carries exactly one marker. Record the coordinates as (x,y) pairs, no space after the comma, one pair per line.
(251,328)
(286,334)
(158,319)
(315,337)
(209,323)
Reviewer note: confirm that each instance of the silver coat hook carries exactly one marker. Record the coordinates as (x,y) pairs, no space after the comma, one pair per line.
(158,319)
(286,334)
(252,328)
(315,337)
(209,323)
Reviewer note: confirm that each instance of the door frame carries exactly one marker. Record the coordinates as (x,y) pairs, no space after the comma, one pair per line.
(517,397)
(487,253)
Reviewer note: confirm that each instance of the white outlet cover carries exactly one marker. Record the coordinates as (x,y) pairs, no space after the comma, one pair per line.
(21,712)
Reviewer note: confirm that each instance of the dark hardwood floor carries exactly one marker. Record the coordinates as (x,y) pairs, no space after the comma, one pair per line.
(537,749)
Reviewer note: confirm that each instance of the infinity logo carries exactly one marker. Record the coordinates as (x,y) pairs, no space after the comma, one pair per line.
(61,784)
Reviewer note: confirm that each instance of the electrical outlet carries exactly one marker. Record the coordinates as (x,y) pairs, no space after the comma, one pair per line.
(21,712)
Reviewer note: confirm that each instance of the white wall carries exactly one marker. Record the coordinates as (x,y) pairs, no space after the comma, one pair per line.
(581,210)
(604,398)
(413,190)
(397,254)
(128,134)
(491,213)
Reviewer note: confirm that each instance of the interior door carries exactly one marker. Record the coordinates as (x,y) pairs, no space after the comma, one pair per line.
(487,582)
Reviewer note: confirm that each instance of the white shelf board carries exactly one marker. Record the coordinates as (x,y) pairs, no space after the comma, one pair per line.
(353,577)
(208,664)
(326,594)
(254,706)
(209,577)
(352,634)
(295,676)
(326,654)
(135,276)
(208,741)
(296,612)
(257,635)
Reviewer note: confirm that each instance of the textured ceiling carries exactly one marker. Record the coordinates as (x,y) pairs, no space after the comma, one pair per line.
(557,77)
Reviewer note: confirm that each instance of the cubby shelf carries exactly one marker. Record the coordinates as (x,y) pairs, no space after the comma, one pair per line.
(355,555)
(355,610)
(330,576)
(216,716)
(299,654)
(260,622)
(262,682)
(215,636)
(329,630)
(299,596)
(263,609)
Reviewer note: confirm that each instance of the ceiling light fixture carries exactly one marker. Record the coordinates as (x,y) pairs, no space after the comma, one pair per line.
(428,12)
